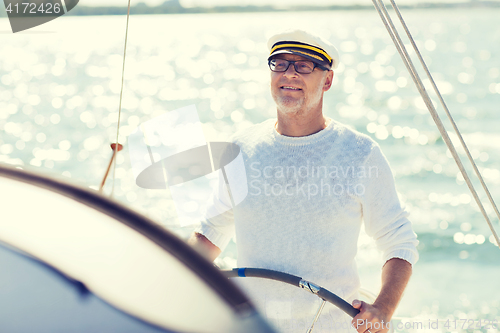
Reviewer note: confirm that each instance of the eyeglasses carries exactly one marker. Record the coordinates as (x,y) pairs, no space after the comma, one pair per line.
(302,66)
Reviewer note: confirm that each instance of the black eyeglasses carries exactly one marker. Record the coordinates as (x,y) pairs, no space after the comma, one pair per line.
(301,66)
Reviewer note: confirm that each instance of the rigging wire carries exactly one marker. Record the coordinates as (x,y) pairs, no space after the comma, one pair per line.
(445,107)
(386,19)
(115,149)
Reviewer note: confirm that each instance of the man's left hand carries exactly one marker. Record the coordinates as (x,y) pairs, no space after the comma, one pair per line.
(370,319)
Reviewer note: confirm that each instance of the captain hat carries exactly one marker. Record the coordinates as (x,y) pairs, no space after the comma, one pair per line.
(305,44)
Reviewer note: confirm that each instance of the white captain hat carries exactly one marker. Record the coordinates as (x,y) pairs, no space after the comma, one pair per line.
(305,44)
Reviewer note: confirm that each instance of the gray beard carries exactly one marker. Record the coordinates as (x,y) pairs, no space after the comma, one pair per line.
(288,105)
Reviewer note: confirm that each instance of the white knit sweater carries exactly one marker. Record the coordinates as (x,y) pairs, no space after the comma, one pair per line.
(307,197)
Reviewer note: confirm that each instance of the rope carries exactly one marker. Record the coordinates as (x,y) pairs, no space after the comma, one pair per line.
(120,103)
(386,19)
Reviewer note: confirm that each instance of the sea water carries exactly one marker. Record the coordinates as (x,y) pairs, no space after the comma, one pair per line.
(59,99)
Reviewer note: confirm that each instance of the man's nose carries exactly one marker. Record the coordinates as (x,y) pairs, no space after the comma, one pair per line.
(290,71)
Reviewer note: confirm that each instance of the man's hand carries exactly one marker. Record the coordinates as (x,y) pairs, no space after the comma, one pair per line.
(371,319)
(203,246)
(375,317)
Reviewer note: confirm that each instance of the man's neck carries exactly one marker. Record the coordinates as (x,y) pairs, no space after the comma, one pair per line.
(300,125)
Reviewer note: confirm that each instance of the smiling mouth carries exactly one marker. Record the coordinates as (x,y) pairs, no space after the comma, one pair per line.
(290,88)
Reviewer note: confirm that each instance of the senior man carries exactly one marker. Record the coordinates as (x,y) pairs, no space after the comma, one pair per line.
(312,181)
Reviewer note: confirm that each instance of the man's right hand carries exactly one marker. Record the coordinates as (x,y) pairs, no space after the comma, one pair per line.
(203,246)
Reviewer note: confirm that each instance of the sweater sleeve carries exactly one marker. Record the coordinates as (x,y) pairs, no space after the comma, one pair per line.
(218,224)
(385,219)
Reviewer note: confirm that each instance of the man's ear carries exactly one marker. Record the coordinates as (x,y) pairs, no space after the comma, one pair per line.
(328,81)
